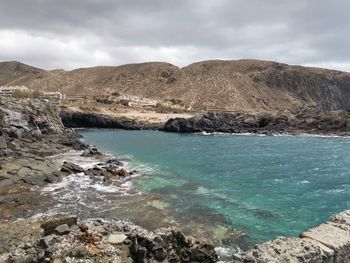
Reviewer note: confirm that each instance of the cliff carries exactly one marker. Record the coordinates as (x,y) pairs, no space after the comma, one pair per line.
(242,85)
(311,122)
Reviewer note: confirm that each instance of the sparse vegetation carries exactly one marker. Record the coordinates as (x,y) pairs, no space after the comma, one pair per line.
(27,94)
(177,102)
(104,101)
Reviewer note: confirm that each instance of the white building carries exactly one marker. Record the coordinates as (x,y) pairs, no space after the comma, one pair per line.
(7,91)
(55,95)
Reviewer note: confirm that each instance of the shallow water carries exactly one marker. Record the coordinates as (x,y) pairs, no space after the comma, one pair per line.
(244,189)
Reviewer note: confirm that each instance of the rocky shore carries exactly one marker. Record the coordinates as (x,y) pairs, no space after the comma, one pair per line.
(309,122)
(32,131)
(326,243)
(300,122)
(75,119)
(62,239)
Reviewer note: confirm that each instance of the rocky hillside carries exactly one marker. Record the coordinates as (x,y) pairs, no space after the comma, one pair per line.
(243,85)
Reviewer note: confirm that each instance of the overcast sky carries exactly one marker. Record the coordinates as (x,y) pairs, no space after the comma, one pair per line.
(80,33)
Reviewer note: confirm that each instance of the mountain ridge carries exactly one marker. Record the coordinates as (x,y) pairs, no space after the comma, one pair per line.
(245,85)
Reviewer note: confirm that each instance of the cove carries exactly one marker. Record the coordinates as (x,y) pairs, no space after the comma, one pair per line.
(257,187)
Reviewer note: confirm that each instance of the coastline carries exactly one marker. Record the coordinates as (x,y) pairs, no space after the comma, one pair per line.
(32,131)
(335,123)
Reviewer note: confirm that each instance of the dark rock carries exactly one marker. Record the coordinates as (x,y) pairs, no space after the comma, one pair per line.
(141,255)
(47,241)
(62,230)
(91,151)
(75,119)
(71,168)
(50,224)
(3,145)
(335,122)
(114,162)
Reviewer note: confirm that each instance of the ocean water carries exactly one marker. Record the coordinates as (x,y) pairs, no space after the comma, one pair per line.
(247,189)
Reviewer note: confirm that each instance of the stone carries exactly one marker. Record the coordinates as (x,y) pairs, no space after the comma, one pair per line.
(117,239)
(334,236)
(47,241)
(62,230)
(3,145)
(341,218)
(51,223)
(71,168)
(288,250)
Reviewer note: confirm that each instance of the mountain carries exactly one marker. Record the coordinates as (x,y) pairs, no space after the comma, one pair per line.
(244,85)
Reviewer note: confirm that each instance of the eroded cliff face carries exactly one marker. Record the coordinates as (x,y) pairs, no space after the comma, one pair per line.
(23,121)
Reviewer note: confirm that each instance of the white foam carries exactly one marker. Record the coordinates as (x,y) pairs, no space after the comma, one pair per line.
(272,134)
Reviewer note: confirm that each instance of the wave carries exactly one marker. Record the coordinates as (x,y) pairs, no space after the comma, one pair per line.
(272,134)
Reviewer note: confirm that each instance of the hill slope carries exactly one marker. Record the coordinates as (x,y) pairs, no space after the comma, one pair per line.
(245,85)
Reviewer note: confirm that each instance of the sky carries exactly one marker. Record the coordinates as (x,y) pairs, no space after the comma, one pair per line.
(70,34)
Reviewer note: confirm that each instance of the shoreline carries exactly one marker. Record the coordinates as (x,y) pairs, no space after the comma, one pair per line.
(335,123)
(32,131)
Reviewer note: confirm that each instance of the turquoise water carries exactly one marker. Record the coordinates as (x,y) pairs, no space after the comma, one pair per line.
(261,186)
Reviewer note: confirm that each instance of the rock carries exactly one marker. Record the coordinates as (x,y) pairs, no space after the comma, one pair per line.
(114,161)
(334,122)
(141,255)
(117,239)
(288,250)
(3,145)
(74,119)
(51,223)
(91,151)
(47,241)
(334,236)
(123,173)
(62,230)
(71,168)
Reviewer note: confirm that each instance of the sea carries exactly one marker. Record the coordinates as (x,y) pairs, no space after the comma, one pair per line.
(235,190)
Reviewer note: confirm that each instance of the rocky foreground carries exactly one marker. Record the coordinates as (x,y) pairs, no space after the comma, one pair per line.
(61,239)
(31,131)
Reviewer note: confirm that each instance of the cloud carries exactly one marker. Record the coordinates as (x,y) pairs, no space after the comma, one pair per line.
(81,33)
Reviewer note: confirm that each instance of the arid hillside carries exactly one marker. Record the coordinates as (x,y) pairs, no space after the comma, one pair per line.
(244,85)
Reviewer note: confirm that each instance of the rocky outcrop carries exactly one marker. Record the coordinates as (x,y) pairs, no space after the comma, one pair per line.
(336,122)
(75,119)
(30,130)
(61,239)
(31,125)
(328,243)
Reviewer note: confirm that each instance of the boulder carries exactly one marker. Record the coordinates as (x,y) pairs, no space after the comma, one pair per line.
(71,168)
(62,230)
(49,225)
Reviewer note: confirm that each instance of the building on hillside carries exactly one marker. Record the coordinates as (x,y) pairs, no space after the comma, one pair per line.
(130,100)
(7,91)
(55,95)
(82,98)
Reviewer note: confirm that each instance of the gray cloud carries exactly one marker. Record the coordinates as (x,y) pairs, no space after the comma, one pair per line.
(69,34)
